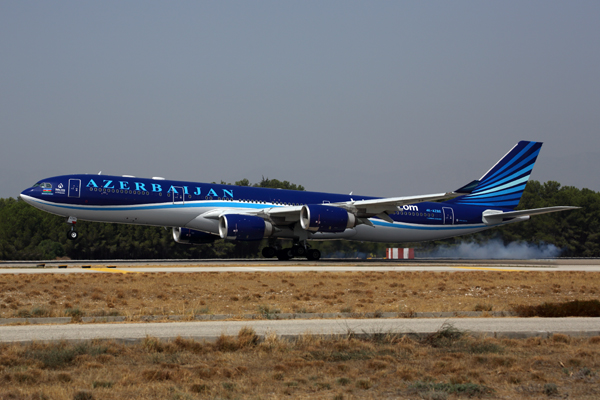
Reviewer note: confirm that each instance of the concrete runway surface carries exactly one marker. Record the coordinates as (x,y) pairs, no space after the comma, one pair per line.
(211,330)
(264,265)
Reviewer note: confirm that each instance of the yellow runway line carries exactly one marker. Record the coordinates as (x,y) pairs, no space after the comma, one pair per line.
(490,269)
(120,271)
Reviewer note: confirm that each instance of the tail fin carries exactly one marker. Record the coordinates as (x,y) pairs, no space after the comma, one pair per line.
(503,185)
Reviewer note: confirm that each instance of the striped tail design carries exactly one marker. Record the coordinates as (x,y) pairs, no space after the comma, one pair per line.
(503,185)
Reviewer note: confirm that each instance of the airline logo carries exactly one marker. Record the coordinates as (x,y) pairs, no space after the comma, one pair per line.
(410,208)
(60,189)
(156,188)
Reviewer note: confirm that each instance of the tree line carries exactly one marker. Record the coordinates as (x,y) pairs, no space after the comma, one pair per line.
(27,233)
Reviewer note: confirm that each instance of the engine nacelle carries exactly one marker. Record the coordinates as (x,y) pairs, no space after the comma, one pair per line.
(192,236)
(244,227)
(326,218)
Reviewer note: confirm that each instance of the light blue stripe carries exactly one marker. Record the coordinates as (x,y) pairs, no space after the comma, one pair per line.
(509,178)
(499,188)
(500,193)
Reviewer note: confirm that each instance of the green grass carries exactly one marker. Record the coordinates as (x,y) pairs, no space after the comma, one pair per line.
(267,312)
(59,356)
(467,389)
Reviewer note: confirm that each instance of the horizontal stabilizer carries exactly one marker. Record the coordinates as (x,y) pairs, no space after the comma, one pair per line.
(491,217)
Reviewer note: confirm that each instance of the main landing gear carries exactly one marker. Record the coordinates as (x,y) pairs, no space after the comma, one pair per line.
(72,234)
(297,250)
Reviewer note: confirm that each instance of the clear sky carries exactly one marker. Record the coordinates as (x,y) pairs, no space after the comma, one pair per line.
(387,98)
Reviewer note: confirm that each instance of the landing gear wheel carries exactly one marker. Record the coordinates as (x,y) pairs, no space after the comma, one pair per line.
(269,252)
(299,251)
(72,235)
(313,254)
(284,254)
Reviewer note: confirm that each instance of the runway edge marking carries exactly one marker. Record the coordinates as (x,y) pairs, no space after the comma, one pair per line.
(490,269)
(118,271)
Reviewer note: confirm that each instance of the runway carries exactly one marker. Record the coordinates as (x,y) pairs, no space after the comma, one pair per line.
(264,265)
(211,330)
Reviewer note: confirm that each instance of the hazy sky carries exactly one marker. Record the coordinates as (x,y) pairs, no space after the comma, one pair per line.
(385,98)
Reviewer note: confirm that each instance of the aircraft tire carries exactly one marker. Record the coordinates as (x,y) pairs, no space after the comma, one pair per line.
(313,254)
(269,252)
(299,251)
(72,235)
(284,254)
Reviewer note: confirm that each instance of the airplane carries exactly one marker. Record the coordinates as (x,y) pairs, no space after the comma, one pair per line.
(201,213)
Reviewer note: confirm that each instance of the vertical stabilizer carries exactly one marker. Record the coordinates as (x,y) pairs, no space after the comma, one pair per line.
(503,185)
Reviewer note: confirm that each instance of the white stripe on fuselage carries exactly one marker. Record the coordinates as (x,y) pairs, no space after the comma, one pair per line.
(188,213)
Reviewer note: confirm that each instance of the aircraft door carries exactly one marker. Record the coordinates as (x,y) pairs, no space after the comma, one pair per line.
(448,216)
(74,187)
(178,195)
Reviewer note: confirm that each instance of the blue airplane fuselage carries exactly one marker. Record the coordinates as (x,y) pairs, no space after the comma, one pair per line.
(124,199)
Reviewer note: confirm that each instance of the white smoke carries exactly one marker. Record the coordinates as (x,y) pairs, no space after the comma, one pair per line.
(495,249)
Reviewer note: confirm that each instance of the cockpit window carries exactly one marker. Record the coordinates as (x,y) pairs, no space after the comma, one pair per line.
(45,185)
(37,184)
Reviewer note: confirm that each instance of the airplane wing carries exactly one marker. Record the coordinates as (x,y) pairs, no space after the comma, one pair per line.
(373,207)
(362,209)
(491,217)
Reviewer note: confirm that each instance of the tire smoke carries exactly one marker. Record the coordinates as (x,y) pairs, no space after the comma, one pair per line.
(495,249)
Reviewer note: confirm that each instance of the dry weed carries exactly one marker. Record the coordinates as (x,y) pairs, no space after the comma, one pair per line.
(190,294)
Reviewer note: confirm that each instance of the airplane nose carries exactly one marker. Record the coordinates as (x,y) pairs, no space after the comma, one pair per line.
(27,195)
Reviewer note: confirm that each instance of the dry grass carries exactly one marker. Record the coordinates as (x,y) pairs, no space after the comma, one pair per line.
(137,294)
(446,365)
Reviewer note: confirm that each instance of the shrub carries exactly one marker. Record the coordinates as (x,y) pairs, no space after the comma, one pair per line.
(575,308)
(445,337)
(483,347)
(482,307)
(62,354)
(364,384)
(102,384)
(550,389)
(226,343)
(247,337)
(73,312)
(83,395)
(468,389)
(267,312)
(343,381)
(199,388)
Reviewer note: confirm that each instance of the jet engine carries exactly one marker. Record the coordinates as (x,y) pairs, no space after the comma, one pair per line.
(325,218)
(244,227)
(191,236)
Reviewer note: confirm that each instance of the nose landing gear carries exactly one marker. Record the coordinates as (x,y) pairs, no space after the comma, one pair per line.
(72,234)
